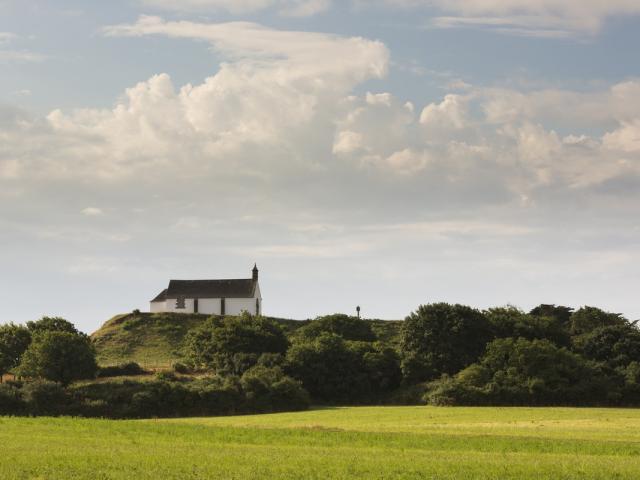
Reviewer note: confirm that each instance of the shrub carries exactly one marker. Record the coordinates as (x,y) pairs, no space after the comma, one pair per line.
(270,390)
(159,398)
(124,369)
(219,396)
(334,370)
(181,368)
(523,372)
(11,402)
(271,360)
(349,328)
(43,397)
(328,369)
(232,345)
(166,377)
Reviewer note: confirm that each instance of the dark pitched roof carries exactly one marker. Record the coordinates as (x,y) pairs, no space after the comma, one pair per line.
(162,296)
(243,288)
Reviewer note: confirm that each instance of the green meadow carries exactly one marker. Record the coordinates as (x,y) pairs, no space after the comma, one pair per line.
(363,442)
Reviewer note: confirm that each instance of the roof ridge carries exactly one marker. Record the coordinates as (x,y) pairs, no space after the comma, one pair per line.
(210,279)
(212,288)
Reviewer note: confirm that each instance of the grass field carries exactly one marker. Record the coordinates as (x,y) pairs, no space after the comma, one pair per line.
(384,442)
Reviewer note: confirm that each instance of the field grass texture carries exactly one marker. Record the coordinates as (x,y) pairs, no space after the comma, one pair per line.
(363,442)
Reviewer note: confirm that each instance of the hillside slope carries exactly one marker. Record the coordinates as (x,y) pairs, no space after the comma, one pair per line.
(154,339)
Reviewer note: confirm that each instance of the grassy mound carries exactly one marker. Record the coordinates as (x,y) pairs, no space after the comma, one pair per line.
(150,339)
(154,340)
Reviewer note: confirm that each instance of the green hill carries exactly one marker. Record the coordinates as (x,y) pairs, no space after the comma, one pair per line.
(146,338)
(154,339)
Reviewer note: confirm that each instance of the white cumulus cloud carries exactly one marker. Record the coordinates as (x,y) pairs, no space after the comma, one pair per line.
(284,7)
(539,18)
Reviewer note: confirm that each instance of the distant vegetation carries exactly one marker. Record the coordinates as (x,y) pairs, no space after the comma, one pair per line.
(440,354)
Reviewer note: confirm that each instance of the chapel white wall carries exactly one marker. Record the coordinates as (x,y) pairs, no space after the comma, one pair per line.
(211,306)
(157,307)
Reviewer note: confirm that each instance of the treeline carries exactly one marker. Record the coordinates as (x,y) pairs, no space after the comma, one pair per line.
(58,375)
(445,355)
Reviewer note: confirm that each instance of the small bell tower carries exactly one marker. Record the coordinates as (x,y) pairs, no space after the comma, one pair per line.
(254,272)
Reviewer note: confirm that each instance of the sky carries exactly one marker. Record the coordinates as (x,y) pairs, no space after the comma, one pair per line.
(383,153)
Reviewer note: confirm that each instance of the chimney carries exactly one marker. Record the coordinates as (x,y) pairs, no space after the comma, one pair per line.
(255,273)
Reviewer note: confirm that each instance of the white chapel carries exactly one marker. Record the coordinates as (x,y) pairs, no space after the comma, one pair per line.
(211,297)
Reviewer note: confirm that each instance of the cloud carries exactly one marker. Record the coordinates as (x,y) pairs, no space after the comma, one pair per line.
(534,18)
(20,56)
(451,113)
(407,161)
(347,59)
(25,92)
(295,8)
(16,56)
(282,106)
(92,212)
(347,142)
(6,37)
(282,154)
(276,96)
(626,138)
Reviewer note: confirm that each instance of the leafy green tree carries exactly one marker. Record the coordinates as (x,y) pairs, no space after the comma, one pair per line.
(559,312)
(270,390)
(512,322)
(442,338)
(631,393)
(232,345)
(525,372)
(381,364)
(51,324)
(336,370)
(60,357)
(588,319)
(616,345)
(349,328)
(14,341)
(327,368)
(45,398)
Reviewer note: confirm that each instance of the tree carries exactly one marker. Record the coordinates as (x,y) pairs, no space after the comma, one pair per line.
(336,370)
(349,328)
(270,390)
(513,322)
(616,345)
(524,372)
(60,357)
(441,338)
(14,340)
(328,369)
(233,344)
(559,312)
(51,324)
(588,319)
